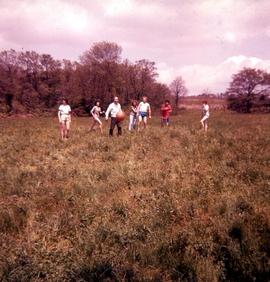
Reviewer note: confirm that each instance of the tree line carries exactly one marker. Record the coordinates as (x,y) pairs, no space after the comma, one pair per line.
(35,83)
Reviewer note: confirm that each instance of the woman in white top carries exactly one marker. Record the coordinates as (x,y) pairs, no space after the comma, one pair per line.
(144,111)
(64,116)
(96,112)
(205,114)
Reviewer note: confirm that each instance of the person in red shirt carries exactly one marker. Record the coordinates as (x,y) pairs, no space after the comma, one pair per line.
(166,109)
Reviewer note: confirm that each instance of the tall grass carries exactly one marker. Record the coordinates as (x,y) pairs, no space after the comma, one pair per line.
(166,204)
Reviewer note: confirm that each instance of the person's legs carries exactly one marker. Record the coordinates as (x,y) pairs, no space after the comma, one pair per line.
(93,125)
(112,126)
(140,122)
(67,129)
(134,122)
(144,121)
(164,121)
(130,125)
(167,121)
(203,123)
(206,125)
(98,121)
(62,128)
(119,128)
(101,127)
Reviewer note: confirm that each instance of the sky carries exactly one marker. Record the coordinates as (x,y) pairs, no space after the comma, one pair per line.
(204,41)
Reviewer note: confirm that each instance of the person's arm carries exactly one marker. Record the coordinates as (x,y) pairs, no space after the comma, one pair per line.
(108,112)
(133,109)
(170,109)
(138,108)
(59,114)
(69,113)
(149,111)
(92,111)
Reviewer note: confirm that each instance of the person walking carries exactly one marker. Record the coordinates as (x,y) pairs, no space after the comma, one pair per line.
(64,117)
(96,112)
(205,114)
(133,115)
(165,110)
(144,111)
(112,111)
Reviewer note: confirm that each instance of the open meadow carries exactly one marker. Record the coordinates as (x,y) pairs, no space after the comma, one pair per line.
(166,204)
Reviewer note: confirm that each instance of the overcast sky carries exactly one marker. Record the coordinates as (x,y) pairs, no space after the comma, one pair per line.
(204,41)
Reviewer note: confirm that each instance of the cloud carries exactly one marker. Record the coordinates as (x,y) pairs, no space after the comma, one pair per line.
(191,36)
(215,78)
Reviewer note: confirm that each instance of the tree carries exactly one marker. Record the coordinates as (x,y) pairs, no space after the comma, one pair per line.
(101,62)
(102,52)
(144,74)
(246,88)
(9,79)
(178,89)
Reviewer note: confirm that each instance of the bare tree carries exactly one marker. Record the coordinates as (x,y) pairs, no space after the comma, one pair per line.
(178,89)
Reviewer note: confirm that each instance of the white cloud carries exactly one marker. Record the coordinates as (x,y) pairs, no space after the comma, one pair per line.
(216,78)
(230,36)
(188,37)
(117,7)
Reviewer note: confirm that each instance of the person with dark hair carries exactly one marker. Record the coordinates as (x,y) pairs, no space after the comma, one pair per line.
(112,111)
(205,116)
(165,110)
(96,112)
(133,115)
(64,116)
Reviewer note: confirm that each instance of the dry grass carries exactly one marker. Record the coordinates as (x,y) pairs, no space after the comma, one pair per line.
(164,205)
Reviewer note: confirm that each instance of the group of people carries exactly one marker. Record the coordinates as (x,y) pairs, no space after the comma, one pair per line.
(138,116)
(138,112)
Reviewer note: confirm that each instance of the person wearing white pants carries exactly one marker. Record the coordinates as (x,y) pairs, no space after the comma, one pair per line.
(133,116)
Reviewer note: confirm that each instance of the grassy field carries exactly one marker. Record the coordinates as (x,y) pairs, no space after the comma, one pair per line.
(167,204)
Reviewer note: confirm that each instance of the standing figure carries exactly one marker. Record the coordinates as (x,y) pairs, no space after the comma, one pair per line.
(144,111)
(205,114)
(166,109)
(113,109)
(96,112)
(64,116)
(133,115)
